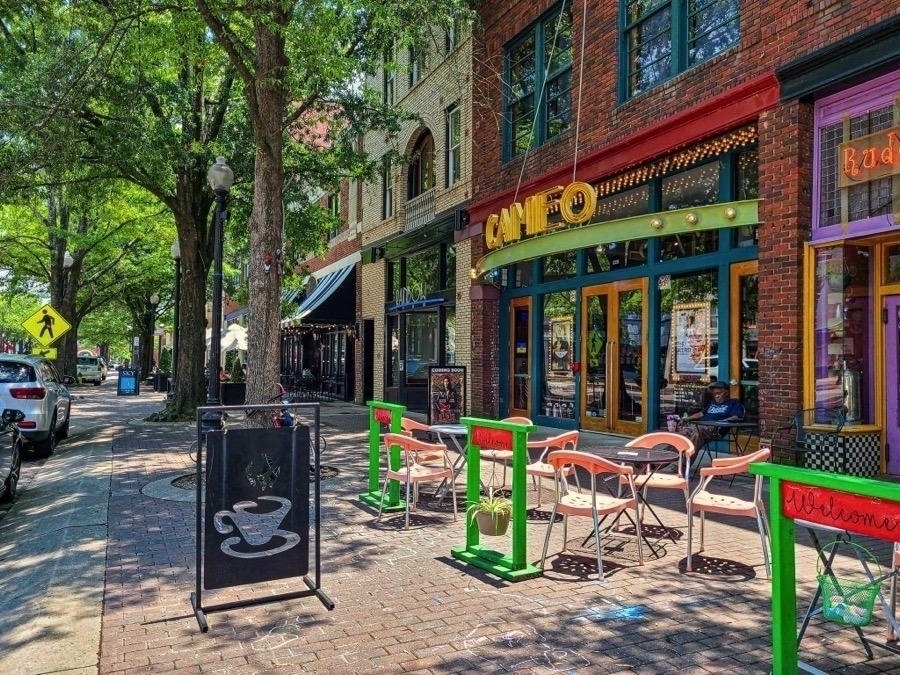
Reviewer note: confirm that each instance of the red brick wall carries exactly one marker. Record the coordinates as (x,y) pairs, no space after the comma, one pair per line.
(785,149)
(772,34)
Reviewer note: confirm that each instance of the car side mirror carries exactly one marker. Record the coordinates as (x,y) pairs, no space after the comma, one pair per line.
(68,379)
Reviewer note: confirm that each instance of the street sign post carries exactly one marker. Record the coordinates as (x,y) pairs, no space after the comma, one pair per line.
(46,325)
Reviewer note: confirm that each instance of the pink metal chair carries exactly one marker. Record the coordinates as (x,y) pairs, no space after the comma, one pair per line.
(412,471)
(501,455)
(593,504)
(660,480)
(540,469)
(703,501)
(409,426)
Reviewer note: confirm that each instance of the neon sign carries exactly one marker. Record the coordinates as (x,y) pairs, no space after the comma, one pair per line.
(576,203)
(869,158)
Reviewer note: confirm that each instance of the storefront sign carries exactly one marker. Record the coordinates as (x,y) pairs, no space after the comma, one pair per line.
(485,437)
(869,158)
(576,204)
(407,299)
(856,513)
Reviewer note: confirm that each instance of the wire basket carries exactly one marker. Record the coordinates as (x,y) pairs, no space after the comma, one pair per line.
(849,601)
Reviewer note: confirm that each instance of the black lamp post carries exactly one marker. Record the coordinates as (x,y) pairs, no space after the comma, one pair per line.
(220,178)
(151,360)
(176,256)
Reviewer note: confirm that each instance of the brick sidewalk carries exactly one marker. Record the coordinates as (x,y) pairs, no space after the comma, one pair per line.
(403,604)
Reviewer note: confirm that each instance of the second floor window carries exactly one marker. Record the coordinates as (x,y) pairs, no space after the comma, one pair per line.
(417,65)
(421,168)
(454,145)
(387,191)
(538,99)
(665,37)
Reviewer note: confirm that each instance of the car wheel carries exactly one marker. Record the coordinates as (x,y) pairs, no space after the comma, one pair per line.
(97,383)
(47,446)
(63,431)
(11,484)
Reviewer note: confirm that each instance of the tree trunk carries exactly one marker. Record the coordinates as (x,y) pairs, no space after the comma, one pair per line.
(267,105)
(189,387)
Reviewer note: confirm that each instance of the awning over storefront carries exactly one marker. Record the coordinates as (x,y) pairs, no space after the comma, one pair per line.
(339,289)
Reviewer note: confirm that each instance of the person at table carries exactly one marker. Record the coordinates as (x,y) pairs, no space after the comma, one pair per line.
(721,408)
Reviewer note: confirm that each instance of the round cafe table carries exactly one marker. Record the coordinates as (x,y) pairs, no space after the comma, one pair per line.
(646,461)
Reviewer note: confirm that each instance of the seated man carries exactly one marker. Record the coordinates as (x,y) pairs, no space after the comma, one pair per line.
(721,408)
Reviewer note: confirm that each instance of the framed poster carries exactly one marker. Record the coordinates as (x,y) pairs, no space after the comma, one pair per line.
(447,394)
(689,340)
(561,345)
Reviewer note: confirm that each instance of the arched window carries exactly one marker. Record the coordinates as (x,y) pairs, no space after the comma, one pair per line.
(421,167)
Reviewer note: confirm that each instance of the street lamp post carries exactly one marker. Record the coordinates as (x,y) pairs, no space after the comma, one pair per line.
(220,177)
(154,301)
(176,256)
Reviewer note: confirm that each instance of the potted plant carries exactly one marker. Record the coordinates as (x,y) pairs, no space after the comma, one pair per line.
(492,514)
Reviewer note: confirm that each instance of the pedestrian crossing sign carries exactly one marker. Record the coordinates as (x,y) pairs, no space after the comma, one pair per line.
(46,352)
(46,325)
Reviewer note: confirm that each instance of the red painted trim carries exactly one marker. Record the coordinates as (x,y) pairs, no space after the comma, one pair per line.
(735,107)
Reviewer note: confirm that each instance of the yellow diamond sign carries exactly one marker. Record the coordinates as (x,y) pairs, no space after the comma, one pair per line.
(46,352)
(46,325)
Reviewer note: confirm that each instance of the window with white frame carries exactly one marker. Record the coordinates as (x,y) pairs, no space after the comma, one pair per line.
(538,97)
(454,145)
(662,38)
(387,191)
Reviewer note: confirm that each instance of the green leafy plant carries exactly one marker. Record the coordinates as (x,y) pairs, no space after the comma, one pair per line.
(492,512)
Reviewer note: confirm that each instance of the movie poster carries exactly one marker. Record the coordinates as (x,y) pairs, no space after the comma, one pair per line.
(447,392)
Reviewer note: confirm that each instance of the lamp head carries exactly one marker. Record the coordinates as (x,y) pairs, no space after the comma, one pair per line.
(176,250)
(154,299)
(68,260)
(220,176)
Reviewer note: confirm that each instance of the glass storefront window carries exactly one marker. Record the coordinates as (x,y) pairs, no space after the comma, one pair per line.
(844,357)
(450,336)
(559,266)
(616,255)
(393,351)
(892,265)
(695,187)
(747,188)
(450,268)
(422,344)
(522,274)
(748,346)
(558,388)
(395,283)
(689,341)
(688,244)
(423,272)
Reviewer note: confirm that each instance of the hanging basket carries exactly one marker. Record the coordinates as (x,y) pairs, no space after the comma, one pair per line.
(492,524)
(849,601)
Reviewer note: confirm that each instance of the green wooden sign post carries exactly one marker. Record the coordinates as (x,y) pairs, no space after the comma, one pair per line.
(383,414)
(857,505)
(501,435)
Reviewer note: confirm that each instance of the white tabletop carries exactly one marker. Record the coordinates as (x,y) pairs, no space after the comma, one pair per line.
(449,429)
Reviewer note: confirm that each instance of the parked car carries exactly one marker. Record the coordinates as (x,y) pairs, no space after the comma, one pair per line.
(103,367)
(10,453)
(32,385)
(90,369)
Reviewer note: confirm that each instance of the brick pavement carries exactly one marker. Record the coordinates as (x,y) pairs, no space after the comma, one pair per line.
(404,605)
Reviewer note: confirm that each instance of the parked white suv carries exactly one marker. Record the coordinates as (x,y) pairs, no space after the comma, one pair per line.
(32,385)
(90,369)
